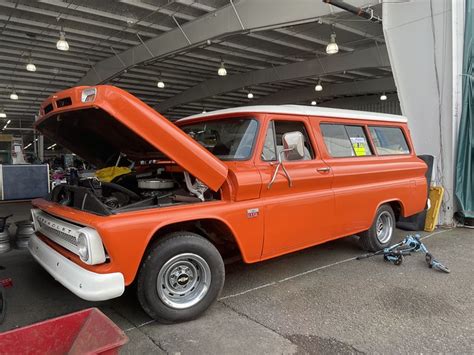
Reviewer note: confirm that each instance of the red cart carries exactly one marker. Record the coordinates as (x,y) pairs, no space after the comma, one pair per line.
(84,332)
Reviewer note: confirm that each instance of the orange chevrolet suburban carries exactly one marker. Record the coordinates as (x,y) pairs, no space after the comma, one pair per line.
(255,182)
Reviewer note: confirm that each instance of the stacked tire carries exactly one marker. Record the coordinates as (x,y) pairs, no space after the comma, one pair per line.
(4,240)
(24,230)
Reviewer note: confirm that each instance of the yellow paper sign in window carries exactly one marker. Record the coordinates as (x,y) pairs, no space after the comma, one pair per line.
(359,143)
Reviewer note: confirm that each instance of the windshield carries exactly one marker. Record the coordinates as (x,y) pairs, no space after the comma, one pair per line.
(228,139)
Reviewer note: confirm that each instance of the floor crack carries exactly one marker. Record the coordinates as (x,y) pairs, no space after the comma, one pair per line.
(255,321)
(139,328)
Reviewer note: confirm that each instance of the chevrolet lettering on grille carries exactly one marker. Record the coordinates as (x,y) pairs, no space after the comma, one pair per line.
(43,220)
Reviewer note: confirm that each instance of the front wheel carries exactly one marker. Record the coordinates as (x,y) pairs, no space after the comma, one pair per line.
(180,278)
(380,233)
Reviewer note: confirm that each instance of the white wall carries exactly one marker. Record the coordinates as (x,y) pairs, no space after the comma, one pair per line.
(419,42)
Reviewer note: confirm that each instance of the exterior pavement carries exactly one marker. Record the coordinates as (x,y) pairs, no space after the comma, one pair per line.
(319,300)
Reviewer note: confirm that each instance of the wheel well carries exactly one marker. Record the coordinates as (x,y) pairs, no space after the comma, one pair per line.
(397,209)
(216,231)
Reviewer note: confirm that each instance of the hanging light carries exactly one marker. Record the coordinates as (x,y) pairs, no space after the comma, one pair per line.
(313,103)
(13,95)
(160,84)
(2,113)
(204,111)
(62,44)
(318,86)
(332,47)
(222,71)
(383,97)
(30,66)
(250,95)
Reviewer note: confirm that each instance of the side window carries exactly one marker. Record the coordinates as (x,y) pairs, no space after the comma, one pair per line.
(389,140)
(358,140)
(273,141)
(345,141)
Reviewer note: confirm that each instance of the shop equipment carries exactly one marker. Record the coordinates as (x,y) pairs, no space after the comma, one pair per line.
(85,332)
(410,244)
(24,230)
(436,197)
(4,236)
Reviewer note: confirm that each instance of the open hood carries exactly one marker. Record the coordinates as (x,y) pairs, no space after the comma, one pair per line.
(97,123)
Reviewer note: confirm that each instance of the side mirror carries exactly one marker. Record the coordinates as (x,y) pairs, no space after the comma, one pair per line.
(293,148)
(293,145)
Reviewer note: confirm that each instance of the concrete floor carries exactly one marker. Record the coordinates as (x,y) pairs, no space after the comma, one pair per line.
(319,300)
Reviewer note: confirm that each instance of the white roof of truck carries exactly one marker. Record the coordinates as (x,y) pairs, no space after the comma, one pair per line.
(306,111)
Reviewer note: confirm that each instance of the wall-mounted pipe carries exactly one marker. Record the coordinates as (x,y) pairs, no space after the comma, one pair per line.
(365,13)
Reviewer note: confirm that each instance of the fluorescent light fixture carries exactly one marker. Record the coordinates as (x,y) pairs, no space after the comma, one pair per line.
(62,44)
(13,95)
(313,103)
(8,122)
(29,145)
(318,86)
(51,146)
(30,66)
(222,71)
(332,47)
(383,97)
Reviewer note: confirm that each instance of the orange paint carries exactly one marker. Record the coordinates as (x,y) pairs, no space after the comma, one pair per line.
(330,198)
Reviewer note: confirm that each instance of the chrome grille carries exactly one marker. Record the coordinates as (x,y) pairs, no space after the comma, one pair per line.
(59,231)
(47,230)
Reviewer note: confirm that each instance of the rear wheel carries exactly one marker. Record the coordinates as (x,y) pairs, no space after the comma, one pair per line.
(380,233)
(180,278)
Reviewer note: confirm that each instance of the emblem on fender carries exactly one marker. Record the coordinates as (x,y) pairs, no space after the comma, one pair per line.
(252,212)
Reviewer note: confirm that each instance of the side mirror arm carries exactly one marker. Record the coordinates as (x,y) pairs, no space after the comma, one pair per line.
(280,163)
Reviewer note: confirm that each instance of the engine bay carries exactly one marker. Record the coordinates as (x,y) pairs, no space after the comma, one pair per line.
(156,187)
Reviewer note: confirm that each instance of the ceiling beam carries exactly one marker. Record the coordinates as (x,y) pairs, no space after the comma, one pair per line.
(365,58)
(307,93)
(255,15)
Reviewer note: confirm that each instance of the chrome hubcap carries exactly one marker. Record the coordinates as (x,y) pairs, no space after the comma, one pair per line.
(183,280)
(384,227)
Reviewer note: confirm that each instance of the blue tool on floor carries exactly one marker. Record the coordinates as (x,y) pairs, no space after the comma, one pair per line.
(410,244)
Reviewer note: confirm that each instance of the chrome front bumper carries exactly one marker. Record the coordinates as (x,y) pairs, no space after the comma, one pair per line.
(86,284)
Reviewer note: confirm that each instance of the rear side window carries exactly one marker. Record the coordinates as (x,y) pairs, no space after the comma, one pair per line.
(345,141)
(389,140)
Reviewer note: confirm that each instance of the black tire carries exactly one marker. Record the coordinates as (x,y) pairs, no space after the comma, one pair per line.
(3,304)
(171,255)
(369,240)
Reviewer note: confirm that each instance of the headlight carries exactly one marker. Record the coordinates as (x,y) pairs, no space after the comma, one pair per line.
(83,247)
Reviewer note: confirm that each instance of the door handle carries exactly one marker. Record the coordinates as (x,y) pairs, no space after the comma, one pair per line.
(323,170)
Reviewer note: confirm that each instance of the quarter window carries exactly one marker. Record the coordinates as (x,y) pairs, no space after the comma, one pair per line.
(345,141)
(273,144)
(389,140)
